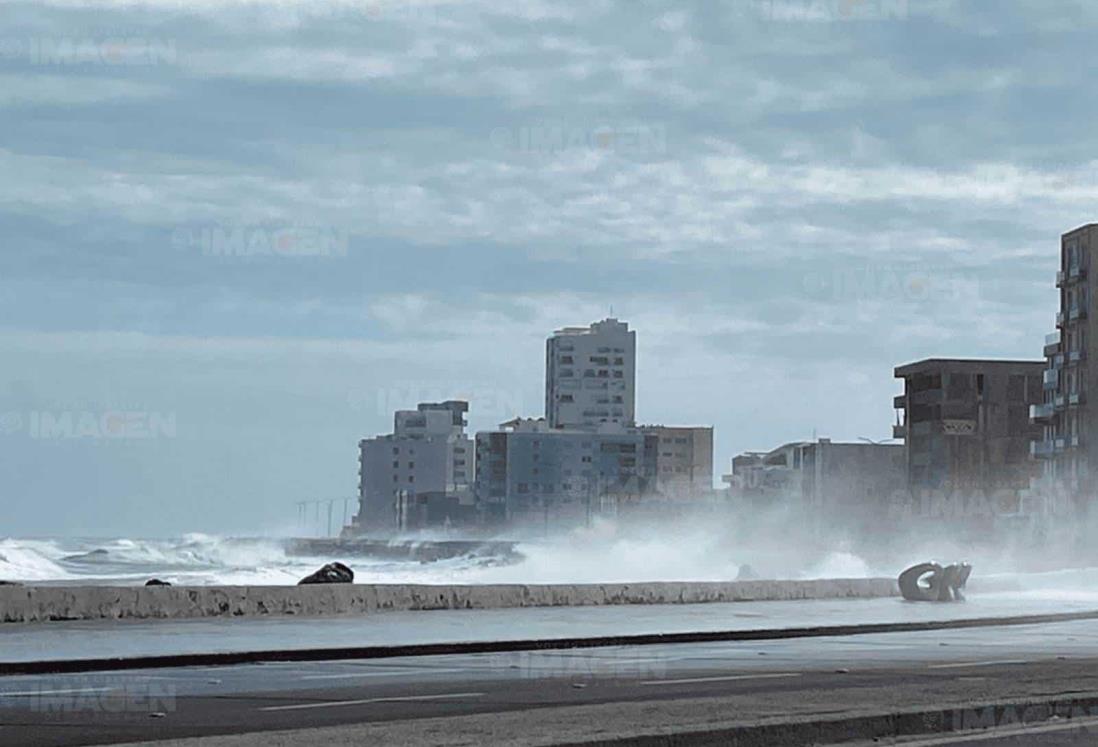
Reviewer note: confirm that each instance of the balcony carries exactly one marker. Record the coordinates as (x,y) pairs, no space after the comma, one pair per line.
(1052,344)
(1076,356)
(1073,442)
(1077,312)
(899,431)
(1051,378)
(1061,276)
(899,402)
(1042,449)
(1059,319)
(1076,272)
(1076,399)
(1041,413)
(1059,401)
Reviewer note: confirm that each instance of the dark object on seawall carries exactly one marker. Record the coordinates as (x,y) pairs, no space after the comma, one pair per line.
(942,584)
(10,583)
(333,573)
(156,582)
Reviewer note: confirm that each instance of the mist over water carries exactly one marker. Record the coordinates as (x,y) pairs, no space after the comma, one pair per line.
(700,546)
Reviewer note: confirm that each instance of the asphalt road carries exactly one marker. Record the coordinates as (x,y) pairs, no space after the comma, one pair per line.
(162,704)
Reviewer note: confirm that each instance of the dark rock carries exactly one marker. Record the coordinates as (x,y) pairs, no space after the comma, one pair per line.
(333,573)
(156,582)
(10,583)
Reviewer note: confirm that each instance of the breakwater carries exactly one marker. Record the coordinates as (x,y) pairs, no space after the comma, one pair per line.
(27,604)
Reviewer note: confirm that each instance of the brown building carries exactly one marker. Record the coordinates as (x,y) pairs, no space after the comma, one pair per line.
(967,427)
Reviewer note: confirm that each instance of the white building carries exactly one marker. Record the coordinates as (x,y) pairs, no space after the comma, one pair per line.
(428,454)
(590,376)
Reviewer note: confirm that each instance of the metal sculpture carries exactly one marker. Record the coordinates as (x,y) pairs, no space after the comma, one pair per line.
(930,582)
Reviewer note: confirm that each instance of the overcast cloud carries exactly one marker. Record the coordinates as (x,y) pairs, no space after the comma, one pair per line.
(234,237)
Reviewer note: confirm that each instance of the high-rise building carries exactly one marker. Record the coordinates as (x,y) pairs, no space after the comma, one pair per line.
(1065,417)
(590,376)
(426,462)
(684,459)
(529,474)
(967,428)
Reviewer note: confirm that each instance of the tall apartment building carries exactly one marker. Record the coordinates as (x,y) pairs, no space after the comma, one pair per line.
(684,459)
(426,462)
(967,427)
(1064,416)
(530,474)
(590,376)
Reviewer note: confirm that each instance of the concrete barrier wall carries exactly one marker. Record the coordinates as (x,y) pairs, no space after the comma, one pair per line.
(44,603)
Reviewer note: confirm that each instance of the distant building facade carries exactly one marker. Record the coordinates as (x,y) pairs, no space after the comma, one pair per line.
(684,459)
(531,474)
(1066,420)
(967,427)
(590,376)
(847,485)
(419,475)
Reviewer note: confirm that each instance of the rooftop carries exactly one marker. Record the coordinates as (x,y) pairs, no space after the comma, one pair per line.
(963,365)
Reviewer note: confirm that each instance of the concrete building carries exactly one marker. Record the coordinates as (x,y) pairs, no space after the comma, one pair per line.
(409,477)
(844,485)
(530,474)
(590,376)
(1064,417)
(966,424)
(684,460)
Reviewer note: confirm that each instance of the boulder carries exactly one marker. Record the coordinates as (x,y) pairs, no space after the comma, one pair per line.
(333,573)
(156,582)
(10,583)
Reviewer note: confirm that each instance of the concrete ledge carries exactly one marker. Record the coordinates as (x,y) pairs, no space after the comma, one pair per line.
(28,604)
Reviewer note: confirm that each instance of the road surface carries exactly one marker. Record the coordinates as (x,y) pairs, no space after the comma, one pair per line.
(554,696)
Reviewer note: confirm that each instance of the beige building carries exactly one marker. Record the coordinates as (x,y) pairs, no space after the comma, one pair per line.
(684,459)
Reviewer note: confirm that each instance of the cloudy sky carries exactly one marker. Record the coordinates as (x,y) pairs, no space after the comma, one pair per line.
(234,237)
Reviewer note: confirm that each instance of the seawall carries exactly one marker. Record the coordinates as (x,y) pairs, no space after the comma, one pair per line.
(47,603)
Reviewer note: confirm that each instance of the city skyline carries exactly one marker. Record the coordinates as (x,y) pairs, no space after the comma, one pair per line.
(272,280)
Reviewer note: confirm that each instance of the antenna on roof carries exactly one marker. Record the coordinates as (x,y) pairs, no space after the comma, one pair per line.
(611,310)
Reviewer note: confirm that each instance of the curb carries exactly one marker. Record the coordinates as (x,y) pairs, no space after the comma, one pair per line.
(75,666)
